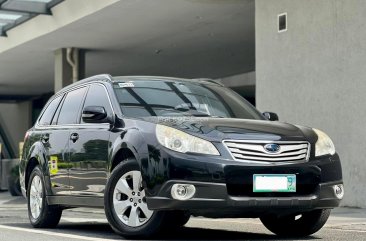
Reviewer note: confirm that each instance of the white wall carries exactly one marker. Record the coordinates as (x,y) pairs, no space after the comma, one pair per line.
(314,74)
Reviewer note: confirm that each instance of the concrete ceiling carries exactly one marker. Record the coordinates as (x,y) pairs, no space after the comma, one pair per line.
(183,38)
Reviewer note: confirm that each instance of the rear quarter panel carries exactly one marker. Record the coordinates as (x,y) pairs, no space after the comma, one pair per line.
(33,148)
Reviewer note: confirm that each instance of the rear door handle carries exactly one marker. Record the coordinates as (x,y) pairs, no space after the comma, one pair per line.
(74,137)
(45,138)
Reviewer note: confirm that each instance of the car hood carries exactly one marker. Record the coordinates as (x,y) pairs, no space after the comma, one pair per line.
(218,129)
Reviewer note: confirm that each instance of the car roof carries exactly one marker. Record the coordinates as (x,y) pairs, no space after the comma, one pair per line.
(110,79)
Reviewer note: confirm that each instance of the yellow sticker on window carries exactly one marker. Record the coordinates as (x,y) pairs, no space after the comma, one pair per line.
(52,165)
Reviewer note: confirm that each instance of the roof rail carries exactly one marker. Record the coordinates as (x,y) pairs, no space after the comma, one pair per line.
(210,80)
(146,77)
(95,77)
(105,77)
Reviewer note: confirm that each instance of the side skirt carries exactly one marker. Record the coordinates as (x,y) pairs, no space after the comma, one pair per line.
(76,201)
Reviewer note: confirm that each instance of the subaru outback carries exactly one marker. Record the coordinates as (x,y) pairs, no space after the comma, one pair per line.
(154,151)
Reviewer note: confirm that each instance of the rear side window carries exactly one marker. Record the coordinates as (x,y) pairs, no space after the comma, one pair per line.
(50,111)
(97,96)
(71,106)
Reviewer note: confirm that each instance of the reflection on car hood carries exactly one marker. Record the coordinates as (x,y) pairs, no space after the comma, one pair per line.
(218,129)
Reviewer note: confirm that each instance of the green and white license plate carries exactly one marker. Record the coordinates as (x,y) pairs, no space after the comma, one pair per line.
(274,183)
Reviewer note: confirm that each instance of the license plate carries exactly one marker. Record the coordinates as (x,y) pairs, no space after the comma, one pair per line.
(274,183)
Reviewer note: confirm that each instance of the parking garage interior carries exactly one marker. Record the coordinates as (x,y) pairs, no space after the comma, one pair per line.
(310,72)
(190,39)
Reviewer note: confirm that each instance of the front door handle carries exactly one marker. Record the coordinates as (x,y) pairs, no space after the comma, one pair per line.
(74,137)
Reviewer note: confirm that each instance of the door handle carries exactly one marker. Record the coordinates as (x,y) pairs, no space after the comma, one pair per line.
(45,138)
(74,137)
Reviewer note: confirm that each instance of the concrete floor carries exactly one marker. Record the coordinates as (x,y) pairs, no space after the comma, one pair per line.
(90,224)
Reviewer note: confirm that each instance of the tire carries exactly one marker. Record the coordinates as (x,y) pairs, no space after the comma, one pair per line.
(41,215)
(14,186)
(308,224)
(176,219)
(130,218)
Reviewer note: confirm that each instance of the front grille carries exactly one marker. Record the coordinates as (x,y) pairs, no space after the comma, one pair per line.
(254,151)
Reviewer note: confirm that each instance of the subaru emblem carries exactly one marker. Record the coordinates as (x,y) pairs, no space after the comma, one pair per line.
(272,148)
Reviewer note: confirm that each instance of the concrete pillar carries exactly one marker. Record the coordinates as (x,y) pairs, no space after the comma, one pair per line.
(15,120)
(69,66)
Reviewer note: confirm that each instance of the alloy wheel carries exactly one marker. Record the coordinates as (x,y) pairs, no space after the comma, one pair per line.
(36,197)
(129,200)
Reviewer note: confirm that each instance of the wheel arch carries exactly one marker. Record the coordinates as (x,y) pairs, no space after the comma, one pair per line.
(121,155)
(32,163)
(36,157)
(130,143)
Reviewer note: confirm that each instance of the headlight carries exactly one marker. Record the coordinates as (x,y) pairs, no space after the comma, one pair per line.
(182,142)
(324,145)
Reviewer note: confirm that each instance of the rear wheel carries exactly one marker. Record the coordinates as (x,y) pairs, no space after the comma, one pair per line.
(297,225)
(41,215)
(125,203)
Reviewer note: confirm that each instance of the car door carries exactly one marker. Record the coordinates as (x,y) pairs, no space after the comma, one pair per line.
(57,137)
(89,148)
(55,144)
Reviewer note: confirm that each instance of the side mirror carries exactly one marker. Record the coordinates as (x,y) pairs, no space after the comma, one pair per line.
(271,116)
(94,114)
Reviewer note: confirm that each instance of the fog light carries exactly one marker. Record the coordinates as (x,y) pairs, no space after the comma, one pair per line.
(338,191)
(183,191)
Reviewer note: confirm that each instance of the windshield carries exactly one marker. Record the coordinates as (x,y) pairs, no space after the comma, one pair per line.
(144,98)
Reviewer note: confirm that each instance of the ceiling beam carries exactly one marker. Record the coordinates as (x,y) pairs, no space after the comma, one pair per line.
(25,7)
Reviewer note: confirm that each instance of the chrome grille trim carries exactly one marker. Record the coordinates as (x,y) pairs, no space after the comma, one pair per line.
(297,152)
(253,151)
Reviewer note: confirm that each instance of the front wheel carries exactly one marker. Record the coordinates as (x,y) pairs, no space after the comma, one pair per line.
(297,225)
(125,203)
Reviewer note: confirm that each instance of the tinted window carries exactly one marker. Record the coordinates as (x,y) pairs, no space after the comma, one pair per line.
(97,96)
(70,108)
(50,111)
(143,98)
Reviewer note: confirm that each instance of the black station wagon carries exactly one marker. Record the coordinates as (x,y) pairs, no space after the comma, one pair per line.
(154,151)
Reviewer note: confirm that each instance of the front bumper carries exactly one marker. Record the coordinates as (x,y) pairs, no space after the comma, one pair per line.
(214,198)
(224,186)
